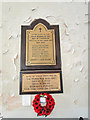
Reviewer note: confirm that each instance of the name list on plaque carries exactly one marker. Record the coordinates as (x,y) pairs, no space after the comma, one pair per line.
(41,82)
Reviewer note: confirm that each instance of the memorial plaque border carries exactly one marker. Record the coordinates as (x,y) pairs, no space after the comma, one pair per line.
(23,47)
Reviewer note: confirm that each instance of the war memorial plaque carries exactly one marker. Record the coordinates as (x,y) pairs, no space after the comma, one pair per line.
(41,42)
(40,68)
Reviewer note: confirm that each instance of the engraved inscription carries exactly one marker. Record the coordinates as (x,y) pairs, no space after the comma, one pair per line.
(41,82)
(40,46)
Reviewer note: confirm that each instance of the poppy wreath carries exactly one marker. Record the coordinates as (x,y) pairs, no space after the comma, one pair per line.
(43,110)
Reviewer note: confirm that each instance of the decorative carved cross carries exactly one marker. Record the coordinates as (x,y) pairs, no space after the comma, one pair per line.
(40,29)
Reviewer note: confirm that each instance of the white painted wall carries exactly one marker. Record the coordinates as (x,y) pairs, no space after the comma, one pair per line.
(73,22)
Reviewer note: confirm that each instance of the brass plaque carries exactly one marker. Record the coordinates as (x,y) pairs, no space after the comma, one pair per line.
(41,82)
(40,46)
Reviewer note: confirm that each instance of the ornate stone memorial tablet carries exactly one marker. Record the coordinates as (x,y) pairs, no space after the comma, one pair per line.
(40,69)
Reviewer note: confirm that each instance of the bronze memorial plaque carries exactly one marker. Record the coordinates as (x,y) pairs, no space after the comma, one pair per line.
(40,68)
(40,46)
(41,82)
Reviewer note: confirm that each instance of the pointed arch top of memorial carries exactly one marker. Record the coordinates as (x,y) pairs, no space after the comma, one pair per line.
(36,21)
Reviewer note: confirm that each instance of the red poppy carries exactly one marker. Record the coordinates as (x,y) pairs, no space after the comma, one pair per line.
(37,96)
(50,102)
(44,109)
(50,107)
(36,104)
(38,108)
(52,99)
(47,112)
(37,99)
(49,96)
(40,113)
(54,103)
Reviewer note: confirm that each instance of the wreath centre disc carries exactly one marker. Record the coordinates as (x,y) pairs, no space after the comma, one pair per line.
(43,104)
(43,101)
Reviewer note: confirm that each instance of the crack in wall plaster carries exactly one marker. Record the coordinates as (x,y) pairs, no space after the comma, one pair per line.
(28,20)
(81,69)
(49,17)
(66,33)
(33,9)
(86,14)
(14,36)
(73,51)
(14,60)
(65,25)
(10,37)
(6,51)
